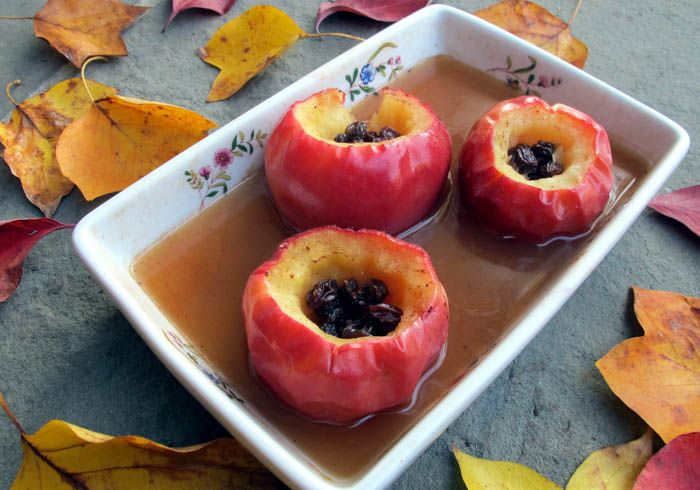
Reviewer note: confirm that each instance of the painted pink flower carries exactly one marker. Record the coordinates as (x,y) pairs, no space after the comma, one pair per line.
(223,157)
(398,60)
(391,61)
(205,171)
(544,81)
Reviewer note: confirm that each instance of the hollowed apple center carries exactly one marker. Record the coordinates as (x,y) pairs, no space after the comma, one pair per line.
(573,144)
(341,255)
(325,116)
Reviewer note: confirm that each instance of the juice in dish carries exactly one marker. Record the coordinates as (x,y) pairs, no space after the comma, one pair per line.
(490,281)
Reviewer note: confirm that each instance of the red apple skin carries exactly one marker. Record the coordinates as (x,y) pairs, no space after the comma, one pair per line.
(386,186)
(340,382)
(514,208)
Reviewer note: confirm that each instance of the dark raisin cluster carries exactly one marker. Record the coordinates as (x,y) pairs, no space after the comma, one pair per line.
(536,161)
(349,311)
(357,132)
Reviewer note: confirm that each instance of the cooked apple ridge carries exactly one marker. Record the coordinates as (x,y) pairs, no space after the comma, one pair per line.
(573,143)
(323,255)
(324,116)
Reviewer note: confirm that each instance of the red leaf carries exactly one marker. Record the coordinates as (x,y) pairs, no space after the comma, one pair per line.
(383,10)
(17,237)
(682,205)
(218,6)
(676,466)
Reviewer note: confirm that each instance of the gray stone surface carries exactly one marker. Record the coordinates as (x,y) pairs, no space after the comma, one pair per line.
(66,352)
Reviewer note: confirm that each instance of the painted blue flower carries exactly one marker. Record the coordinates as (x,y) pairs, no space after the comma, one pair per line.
(367,74)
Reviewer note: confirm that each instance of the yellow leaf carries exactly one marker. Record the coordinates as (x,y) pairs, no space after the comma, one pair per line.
(31,134)
(483,474)
(64,456)
(81,29)
(120,139)
(244,46)
(535,24)
(613,467)
(658,375)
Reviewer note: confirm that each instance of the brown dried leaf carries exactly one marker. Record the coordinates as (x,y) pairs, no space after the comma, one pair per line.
(79,29)
(535,24)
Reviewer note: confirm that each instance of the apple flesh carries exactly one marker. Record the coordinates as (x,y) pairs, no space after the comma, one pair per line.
(389,185)
(506,201)
(331,379)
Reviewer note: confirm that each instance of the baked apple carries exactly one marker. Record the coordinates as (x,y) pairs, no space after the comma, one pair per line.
(324,167)
(536,171)
(341,323)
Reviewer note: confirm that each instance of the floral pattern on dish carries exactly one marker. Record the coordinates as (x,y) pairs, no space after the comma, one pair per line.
(212,179)
(525,78)
(365,78)
(188,350)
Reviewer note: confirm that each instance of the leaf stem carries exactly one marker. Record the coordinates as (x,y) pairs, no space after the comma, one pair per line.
(334,34)
(8,87)
(576,10)
(12,17)
(11,415)
(82,73)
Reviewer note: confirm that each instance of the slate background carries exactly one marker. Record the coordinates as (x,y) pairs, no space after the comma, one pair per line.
(66,352)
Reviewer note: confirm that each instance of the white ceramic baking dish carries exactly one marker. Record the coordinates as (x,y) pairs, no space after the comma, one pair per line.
(111,237)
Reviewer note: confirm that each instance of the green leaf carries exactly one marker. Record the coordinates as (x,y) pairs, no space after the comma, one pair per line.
(212,194)
(531,78)
(238,153)
(367,88)
(528,68)
(234,143)
(509,63)
(250,148)
(243,148)
(252,134)
(220,184)
(241,136)
(354,75)
(225,177)
(347,77)
(381,69)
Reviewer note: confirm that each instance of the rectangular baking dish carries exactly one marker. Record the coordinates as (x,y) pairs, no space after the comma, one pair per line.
(111,237)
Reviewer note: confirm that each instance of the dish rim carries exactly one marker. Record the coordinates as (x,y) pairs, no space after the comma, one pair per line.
(238,420)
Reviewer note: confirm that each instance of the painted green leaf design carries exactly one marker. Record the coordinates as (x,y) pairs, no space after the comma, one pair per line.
(238,153)
(212,193)
(509,62)
(354,75)
(367,88)
(347,77)
(234,143)
(530,78)
(241,136)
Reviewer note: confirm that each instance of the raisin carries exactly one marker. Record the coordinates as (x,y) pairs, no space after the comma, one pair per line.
(550,169)
(358,132)
(543,151)
(350,311)
(356,129)
(387,133)
(536,161)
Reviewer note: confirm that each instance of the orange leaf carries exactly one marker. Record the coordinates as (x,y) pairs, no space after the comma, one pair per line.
(31,135)
(80,29)
(120,139)
(658,375)
(535,24)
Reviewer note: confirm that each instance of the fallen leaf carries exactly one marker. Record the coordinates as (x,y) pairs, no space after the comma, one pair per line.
(244,46)
(218,6)
(676,466)
(658,375)
(64,456)
(538,26)
(80,29)
(682,205)
(120,139)
(483,474)
(613,467)
(31,135)
(382,10)
(17,238)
